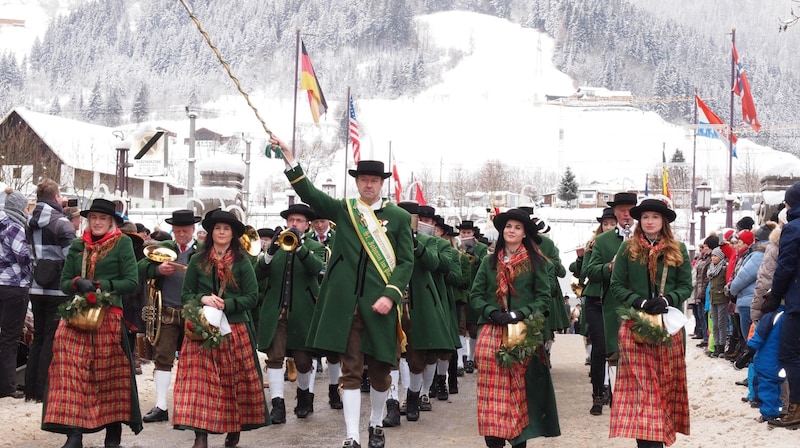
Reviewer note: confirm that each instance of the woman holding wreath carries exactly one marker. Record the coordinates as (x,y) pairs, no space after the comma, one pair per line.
(218,387)
(652,272)
(91,378)
(515,403)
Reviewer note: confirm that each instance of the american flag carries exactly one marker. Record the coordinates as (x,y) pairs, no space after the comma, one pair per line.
(354,133)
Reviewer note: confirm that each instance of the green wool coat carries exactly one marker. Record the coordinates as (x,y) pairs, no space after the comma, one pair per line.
(630,281)
(558,318)
(450,269)
(239,299)
(308,261)
(352,282)
(430,328)
(116,271)
(534,289)
(595,269)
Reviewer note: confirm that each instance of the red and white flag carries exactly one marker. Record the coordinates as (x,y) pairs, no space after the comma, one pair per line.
(398,188)
(741,87)
(354,139)
(419,197)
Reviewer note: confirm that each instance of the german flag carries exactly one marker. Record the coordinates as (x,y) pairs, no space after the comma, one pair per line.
(309,82)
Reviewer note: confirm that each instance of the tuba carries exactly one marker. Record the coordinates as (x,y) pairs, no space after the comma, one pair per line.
(251,243)
(151,313)
(287,240)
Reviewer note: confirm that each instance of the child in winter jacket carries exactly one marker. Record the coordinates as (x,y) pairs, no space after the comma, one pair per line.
(762,348)
(719,303)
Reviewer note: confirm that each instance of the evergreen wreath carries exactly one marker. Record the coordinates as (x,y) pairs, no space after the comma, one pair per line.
(506,357)
(650,333)
(198,328)
(82,302)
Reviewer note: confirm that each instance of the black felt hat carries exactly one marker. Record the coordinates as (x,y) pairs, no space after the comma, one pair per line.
(105,207)
(466,225)
(183,218)
(518,215)
(426,211)
(221,216)
(299,209)
(369,167)
(622,199)
(653,205)
(410,206)
(266,232)
(608,212)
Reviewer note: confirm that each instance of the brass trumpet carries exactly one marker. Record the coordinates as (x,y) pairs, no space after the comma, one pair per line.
(251,243)
(287,240)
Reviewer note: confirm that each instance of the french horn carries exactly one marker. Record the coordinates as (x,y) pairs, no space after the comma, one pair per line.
(151,313)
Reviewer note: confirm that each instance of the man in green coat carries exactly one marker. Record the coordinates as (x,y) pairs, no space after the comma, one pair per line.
(597,270)
(475,250)
(366,277)
(286,310)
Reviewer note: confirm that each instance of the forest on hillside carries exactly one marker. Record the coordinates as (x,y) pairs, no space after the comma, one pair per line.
(115,61)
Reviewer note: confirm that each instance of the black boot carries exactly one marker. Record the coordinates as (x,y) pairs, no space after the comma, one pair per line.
(412,406)
(305,403)
(441,387)
(522,444)
(200,440)
(232,439)
(278,414)
(74,440)
(494,442)
(392,413)
(333,397)
(452,384)
(376,437)
(597,405)
(113,435)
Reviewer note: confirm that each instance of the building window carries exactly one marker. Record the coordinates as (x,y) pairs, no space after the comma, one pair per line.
(17,172)
(588,196)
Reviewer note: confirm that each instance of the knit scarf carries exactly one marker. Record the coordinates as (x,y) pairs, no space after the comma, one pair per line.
(517,264)
(655,250)
(714,269)
(94,251)
(16,216)
(222,264)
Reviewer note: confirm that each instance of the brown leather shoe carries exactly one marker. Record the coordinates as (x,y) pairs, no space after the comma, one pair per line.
(790,421)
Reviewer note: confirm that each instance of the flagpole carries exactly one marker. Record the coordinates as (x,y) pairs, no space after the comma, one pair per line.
(391,178)
(296,64)
(729,199)
(346,138)
(694,177)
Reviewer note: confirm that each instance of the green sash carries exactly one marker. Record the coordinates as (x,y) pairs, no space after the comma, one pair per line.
(373,237)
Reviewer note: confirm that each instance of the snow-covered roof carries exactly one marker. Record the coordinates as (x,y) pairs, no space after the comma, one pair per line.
(222,164)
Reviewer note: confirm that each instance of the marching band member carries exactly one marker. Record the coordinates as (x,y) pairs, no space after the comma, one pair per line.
(219,389)
(169,280)
(287,308)
(91,379)
(369,269)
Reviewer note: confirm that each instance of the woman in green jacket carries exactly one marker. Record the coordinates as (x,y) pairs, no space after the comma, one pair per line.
(652,272)
(218,388)
(514,403)
(91,382)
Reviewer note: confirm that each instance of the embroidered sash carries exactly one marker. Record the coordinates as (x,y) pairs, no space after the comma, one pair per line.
(373,237)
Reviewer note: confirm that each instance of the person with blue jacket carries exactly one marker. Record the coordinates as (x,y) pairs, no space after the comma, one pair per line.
(744,283)
(785,285)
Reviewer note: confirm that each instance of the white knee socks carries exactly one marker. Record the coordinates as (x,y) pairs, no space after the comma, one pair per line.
(162,378)
(405,373)
(304,380)
(275,378)
(395,374)
(351,401)
(427,377)
(377,399)
(334,372)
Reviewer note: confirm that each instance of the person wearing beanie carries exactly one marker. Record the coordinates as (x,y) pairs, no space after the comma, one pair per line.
(744,282)
(712,241)
(15,280)
(786,284)
(698,298)
(741,244)
(746,236)
(745,223)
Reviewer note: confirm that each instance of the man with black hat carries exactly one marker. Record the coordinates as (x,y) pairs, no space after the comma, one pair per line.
(287,309)
(597,269)
(475,250)
(265,235)
(371,265)
(169,280)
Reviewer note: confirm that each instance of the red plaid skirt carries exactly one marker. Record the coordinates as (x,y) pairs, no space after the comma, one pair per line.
(91,382)
(651,401)
(219,390)
(502,400)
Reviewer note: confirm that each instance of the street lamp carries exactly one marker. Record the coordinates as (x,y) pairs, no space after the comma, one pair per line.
(329,188)
(703,205)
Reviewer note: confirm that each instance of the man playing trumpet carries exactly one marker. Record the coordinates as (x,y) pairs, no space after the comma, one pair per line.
(290,266)
(168,278)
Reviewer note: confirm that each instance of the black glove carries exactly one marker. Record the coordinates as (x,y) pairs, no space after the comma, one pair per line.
(638,303)
(771,303)
(516,316)
(273,247)
(501,318)
(656,305)
(298,234)
(84,285)
(744,359)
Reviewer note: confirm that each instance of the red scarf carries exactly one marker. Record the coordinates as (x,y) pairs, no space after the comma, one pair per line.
(653,254)
(95,251)
(223,264)
(518,263)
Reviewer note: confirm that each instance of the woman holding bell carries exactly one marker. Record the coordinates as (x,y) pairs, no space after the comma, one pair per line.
(652,272)
(218,389)
(91,382)
(515,403)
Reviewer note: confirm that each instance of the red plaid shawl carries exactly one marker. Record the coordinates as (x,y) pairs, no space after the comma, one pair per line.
(91,379)
(219,390)
(502,402)
(651,401)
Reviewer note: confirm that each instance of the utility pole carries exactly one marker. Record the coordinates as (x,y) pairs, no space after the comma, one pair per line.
(190,180)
